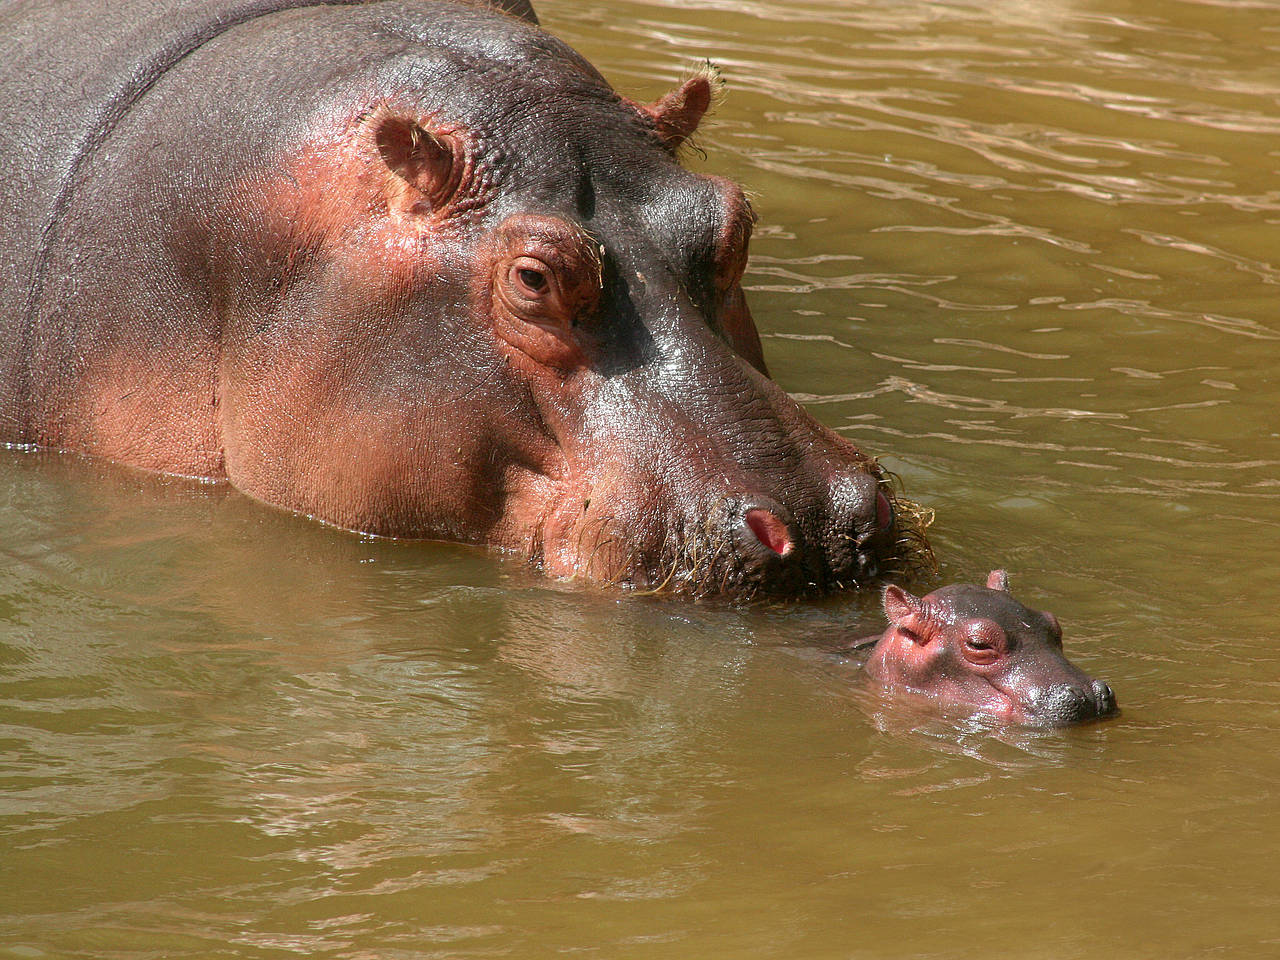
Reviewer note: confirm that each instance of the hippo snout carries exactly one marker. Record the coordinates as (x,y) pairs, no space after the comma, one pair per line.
(827,539)
(1066,703)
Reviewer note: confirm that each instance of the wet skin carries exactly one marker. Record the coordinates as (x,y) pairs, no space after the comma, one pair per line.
(978,648)
(412,268)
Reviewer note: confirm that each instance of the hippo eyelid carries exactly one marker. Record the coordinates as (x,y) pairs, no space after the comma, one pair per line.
(734,222)
(987,639)
(737,230)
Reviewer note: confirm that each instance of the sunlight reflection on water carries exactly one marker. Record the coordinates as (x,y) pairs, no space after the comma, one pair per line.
(1023,250)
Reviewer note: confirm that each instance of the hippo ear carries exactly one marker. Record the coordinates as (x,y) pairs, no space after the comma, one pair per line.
(517,8)
(422,164)
(899,605)
(998,580)
(678,114)
(905,612)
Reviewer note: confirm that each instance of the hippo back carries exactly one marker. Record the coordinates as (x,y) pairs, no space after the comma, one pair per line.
(69,72)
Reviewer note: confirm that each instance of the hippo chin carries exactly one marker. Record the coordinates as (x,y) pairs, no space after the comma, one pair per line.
(412,268)
(978,648)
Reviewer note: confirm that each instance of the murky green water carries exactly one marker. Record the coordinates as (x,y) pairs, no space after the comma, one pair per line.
(1026,250)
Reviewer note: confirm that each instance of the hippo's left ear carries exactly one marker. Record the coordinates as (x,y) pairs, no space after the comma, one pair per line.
(998,580)
(423,168)
(678,114)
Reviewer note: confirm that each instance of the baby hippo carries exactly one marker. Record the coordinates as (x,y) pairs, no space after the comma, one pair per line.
(978,647)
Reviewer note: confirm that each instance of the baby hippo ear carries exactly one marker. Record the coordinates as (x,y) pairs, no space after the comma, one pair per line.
(905,612)
(998,580)
(423,168)
(901,608)
(678,114)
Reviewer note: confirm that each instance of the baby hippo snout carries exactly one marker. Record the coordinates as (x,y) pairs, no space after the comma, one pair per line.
(1066,703)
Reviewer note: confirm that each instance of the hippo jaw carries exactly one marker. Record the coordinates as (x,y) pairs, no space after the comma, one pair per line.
(691,536)
(1058,705)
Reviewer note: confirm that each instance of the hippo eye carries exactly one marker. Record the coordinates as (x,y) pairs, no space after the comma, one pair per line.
(984,643)
(530,279)
(546,282)
(535,280)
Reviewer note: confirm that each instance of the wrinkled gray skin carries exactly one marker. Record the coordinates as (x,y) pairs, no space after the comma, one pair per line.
(978,648)
(413,268)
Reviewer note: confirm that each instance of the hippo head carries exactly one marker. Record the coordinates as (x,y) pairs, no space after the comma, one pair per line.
(977,647)
(555,333)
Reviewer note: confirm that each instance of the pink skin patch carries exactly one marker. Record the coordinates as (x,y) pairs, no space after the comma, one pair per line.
(908,664)
(770,531)
(884,511)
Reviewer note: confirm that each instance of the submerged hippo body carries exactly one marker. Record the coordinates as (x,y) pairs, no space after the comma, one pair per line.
(412,268)
(978,648)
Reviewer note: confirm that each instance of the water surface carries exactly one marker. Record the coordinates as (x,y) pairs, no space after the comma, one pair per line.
(1026,251)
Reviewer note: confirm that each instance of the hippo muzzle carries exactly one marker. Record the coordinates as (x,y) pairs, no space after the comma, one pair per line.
(1064,704)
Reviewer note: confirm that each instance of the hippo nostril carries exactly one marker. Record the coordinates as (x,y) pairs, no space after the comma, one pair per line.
(770,531)
(1105,697)
(884,512)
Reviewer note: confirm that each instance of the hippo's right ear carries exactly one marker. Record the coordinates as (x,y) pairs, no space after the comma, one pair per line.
(423,166)
(998,580)
(907,613)
(677,115)
(900,606)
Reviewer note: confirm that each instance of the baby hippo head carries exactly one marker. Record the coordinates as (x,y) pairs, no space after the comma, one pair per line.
(979,648)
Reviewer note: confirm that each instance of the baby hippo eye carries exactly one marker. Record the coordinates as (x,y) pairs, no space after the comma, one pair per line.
(984,642)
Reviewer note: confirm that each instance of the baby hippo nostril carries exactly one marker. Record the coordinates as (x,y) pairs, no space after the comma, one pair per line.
(770,531)
(1068,703)
(1106,698)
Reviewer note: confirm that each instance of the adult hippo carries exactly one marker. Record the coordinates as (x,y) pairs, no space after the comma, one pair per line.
(979,649)
(412,268)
